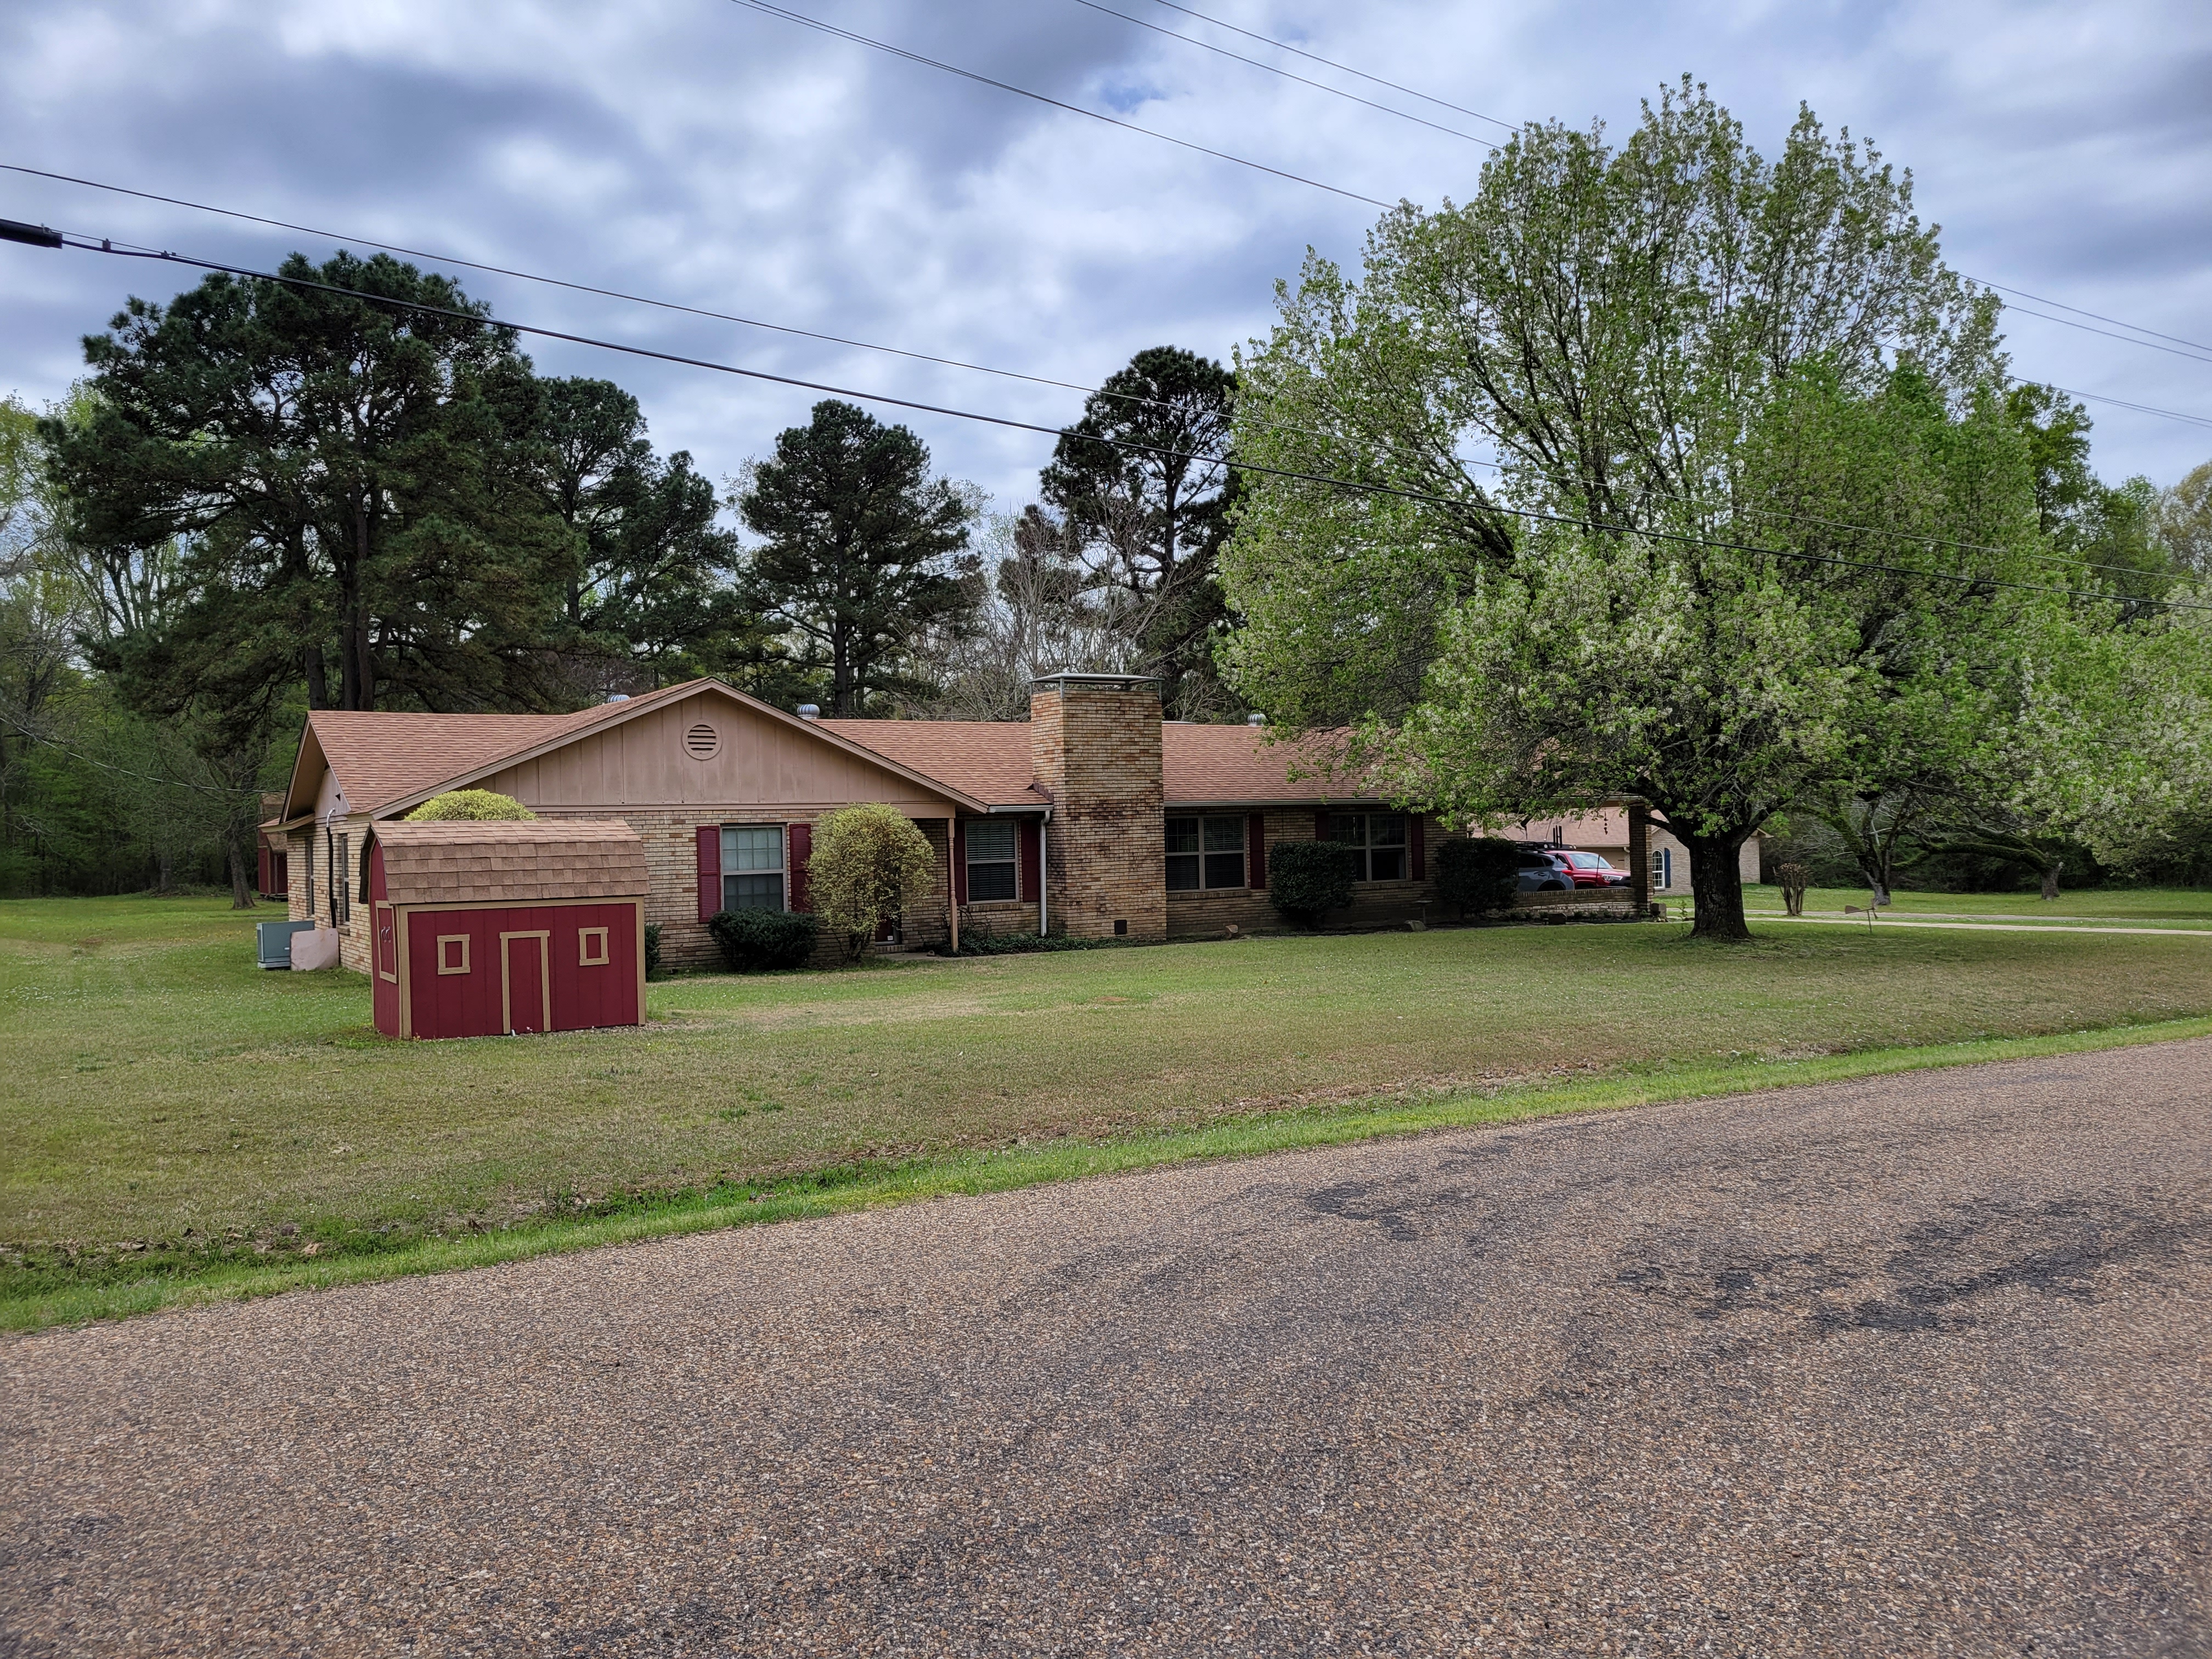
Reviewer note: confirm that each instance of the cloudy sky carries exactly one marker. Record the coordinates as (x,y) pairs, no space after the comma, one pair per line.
(700,152)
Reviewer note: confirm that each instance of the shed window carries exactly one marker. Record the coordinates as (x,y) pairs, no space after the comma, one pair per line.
(591,947)
(752,867)
(1205,852)
(991,860)
(1380,839)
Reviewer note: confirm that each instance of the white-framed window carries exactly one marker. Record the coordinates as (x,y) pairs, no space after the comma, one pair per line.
(1662,868)
(1205,852)
(1380,838)
(752,867)
(991,873)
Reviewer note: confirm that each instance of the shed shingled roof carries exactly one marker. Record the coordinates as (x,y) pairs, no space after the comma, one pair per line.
(512,863)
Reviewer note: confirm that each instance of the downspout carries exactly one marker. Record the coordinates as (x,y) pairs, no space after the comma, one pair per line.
(1044,870)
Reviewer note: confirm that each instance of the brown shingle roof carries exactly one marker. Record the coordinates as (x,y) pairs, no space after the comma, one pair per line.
(987,759)
(511,863)
(990,760)
(1238,764)
(379,757)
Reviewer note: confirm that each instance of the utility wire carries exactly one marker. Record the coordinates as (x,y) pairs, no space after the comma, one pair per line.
(802,18)
(36,736)
(1275,69)
(552,282)
(1351,485)
(2191,355)
(2198,344)
(1769,514)
(1345,69)
(1342,69)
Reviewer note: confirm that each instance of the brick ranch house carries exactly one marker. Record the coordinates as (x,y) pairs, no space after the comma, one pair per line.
(1094,817)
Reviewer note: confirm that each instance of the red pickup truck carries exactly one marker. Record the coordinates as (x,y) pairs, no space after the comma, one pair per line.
(1593,869)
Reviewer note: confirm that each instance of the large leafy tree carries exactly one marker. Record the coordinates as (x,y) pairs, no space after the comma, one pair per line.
(1142,488)
(858,551)
(1635,426)
(348,480)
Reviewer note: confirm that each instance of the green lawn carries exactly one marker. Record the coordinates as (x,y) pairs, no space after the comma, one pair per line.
(168,1107)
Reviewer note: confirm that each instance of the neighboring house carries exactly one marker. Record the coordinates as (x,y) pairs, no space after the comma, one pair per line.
(1094,817)
(1607,831)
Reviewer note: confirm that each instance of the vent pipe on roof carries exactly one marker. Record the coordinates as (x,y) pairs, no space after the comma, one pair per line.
(809,711)
(1255,718)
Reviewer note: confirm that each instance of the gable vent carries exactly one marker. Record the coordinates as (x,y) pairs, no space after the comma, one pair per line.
(702,742)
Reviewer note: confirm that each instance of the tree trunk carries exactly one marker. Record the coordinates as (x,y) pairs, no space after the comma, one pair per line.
(2051,881)
(1640,858)
(319,686)
(242,873)
(1716,885)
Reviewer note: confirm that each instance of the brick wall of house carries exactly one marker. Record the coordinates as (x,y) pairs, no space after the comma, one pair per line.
(1095,745)
(997,917)
(356,934)
(1375,904)
(671,857)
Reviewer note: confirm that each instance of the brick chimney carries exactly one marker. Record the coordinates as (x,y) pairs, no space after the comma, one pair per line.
(1095,743)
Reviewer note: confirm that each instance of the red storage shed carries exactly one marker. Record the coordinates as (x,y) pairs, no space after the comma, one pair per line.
(482,929)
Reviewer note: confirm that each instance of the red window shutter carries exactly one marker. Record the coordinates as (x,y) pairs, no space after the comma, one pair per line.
(959,863)
(1417,838)
(1027,876)
(1320,825)
(710,871)
(802,848)
(1256,849)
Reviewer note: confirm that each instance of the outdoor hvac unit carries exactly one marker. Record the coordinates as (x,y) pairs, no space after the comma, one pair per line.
(274,939)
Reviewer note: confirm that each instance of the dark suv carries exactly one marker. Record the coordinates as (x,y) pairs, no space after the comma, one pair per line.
(1546,870)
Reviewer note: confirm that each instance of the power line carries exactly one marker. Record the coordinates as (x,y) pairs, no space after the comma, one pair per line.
(2125,339)
(550,282)
(1342,69)
(815,23)
(1345,69)
(2122,403)
(143,777)
(2099,315)
(1276,68)
(982,369)
(1352,485)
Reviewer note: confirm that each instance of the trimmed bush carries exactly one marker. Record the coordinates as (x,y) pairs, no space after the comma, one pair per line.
(869,864)
(1479,875)
(470,806)
(652,950)
(757,941)
(1307,880)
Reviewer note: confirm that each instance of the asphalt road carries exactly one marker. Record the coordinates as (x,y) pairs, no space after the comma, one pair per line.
(1908,1366)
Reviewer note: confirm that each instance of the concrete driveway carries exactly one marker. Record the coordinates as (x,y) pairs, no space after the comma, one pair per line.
(1915,1365)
